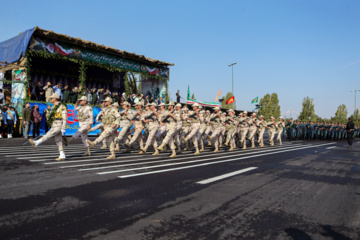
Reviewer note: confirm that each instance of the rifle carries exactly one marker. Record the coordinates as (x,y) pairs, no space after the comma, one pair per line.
(150,116)
(135,116)
(193,116)
(212,119)
(167,116)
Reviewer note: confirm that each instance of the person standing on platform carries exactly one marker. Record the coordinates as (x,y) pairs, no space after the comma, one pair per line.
(66,94)
(48,92)
(350,128)
(58,120)
(36,121)
(46,114)
(178,96)
(26,115)
(94,98)
(85,118)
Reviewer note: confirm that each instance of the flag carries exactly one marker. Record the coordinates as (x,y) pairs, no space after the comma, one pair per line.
(255,100)
(230,100)
(218,95)
(188,95)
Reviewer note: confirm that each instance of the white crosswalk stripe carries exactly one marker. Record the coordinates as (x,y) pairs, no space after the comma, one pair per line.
(133,164)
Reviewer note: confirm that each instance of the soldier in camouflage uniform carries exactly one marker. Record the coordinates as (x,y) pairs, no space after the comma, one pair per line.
(138,125)
(125,125)
(252,129)
(185,127)
(261,124)
(152,118)
(203,127)
(160,133)
(58,126)
(194,119)
(111,121)
(230,128)
(244,128)
(280,128)
(85,118)
(179,123)
(271,130)
(170,120)
(215,121)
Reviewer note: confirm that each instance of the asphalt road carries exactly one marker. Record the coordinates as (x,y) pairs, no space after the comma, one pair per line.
(300,190)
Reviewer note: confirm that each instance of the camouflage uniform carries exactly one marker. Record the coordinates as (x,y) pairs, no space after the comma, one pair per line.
(252,129)
(194,129)
(261,124)
(170,131)
(280,128)
(244,128)
(271,131)
(153,128)
(216,129)
(125,125)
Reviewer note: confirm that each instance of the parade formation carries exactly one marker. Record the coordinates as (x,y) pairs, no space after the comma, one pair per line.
(155,127)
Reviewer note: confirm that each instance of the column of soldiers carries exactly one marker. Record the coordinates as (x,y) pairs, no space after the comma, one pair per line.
(301,130)
(154,128)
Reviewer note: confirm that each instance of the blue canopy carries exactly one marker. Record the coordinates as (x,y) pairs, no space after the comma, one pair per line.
(11,50)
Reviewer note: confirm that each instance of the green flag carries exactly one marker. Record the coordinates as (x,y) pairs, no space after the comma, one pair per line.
(188,95)
(255,100)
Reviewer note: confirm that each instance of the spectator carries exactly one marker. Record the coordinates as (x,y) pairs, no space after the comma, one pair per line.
(26,115)
(94,96)
(136,99)
(10,120)
(100,96)
(178,96)
(122,99)
(160,101)
(88,95)
(35,91)
(36,121)
(152,100)
(117,98)
(130,100)
(48,92)
(74,95)
(57,89)
(1,97)
(146,100)
(66,94)
(46,114)
(3,110)
(41,96)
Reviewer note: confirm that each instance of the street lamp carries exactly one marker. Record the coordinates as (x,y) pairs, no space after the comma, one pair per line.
(355,99)
(232,87)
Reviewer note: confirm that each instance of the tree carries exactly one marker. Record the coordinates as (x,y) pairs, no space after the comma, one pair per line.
(132,83)
(193,96)
(308,110)
(223,103)
(356,117)
(269,106)
(341,114)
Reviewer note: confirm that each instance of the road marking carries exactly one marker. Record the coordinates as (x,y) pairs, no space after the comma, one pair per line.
(330,147)
(197,165)
(214,179)
(228,154)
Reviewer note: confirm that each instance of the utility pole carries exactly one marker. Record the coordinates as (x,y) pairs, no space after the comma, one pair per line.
(355,99)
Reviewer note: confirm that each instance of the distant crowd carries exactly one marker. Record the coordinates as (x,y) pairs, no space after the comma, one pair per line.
(94,96)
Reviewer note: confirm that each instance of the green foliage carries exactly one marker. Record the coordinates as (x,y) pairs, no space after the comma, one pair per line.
(193,96)
(82,77)
(308,110)
(356,117)
(269,106)
(341,114)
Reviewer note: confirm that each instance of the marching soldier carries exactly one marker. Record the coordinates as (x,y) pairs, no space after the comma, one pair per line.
(215,121)
(280,127)
(125,124)
(244,128)
(179,123)
(203,127)
(170,124)
(252,129)
(138,125)
(271,130)
(194,119)
(111,121)
(261,124)
(85,118)
(230,128)
(153,119)
(162,128)
(58,120)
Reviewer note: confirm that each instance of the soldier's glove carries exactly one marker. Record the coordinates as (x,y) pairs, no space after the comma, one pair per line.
(63,131)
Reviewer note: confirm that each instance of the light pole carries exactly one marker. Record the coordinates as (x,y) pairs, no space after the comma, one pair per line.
(232,86)
(355,99)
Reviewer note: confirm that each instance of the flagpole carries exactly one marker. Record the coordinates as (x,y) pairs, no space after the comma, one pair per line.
(232,82)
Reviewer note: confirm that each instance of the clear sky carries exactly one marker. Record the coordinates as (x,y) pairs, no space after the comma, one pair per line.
(294,48)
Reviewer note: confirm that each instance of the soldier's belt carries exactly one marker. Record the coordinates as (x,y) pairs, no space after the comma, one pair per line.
(58,119)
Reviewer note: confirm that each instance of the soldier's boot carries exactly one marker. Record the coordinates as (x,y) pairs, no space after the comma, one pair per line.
(209,143)
(280,142)
(252,145)
(103,146)
(161,147)
(61,157)
(91,144)
(128,145)
(143,150)
(156,153)
(202,148)
(32,143)
(272,143)
(227,143)
(244,146)
(87,152)
(197,152)
(112,156)
(261,144)
(173,153)
(117,148)
(216,149)
(186,146)
(231,147)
